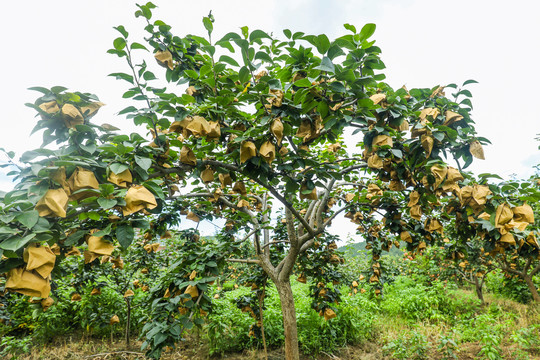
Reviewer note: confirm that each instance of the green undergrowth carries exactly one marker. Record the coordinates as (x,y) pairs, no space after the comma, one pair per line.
(228,326)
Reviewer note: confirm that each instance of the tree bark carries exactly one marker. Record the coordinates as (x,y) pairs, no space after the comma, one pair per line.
(532,288)
(128,325)
(289,319)
(478,287)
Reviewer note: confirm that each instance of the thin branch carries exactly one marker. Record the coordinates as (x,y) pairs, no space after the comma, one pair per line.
(329,220)
(113,353)
(275,242)
(330,163)
(324,202)
(527,265)
(353,167)
(265,185)
(245,261)
(248,235)
(265,219)
(535,270)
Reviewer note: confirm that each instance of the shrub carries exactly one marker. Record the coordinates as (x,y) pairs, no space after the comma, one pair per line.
(412,346)
(228,328)
(415,301)
(510,287)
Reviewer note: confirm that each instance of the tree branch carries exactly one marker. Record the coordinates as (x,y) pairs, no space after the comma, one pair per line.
(535,270)
(245,261)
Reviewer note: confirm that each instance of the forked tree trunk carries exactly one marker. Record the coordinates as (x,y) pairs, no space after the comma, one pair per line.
(289,319)
(532,288)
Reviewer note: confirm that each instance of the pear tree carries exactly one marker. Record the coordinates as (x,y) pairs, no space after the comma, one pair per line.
(239,128)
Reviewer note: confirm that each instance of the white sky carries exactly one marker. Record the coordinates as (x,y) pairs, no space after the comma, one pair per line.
(424,43)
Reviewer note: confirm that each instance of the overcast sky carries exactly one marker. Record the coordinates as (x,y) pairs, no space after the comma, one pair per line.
(424,43)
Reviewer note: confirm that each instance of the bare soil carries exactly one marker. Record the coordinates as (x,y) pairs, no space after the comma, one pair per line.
(96,349)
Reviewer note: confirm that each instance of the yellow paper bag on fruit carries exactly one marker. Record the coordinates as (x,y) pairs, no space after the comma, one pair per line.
(268,152)
(277,130)
(99,246)
(50,107)
(39,258)
(225,179)
(53,203)
(71,116)
(27,283)
(187,156)
(164,58)
(247,151)
(123,179)
(91,109)
(476,150)
(207,175)
(137,198)
(198,126)
(79,180)
(239,188)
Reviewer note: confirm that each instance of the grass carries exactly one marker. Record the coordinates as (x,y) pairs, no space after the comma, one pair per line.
(410,322)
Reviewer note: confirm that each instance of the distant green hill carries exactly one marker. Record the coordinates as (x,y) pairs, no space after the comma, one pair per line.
(353,249)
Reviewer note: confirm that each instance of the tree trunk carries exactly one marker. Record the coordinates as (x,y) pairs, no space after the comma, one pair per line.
(128,325)
(532,288)
(289,319)
(478,288)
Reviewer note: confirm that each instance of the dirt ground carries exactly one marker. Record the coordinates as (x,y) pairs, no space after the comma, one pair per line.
(94,349)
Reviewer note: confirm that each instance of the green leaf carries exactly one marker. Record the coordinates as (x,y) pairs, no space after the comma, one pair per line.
(334,52)
(119,43)
(106,203)
(155,189)
(490,176)
(76,236)
(229,60)
(302,83)
(243,74)
(471,81)
(258,34)
(93,215)
(323,44)
(58,89)
(122,31)
(367,31)
(350,28)
(136,45)
(148,75)
(192,74)
(208,24)
(28,218)
(4,230)
(123,76)
(337,86)
(15,243)
(226,44)
(104,232)
(261,55)
(127,110)
(89,148)
(118,168)
(40,89)
(326,65)
(245,31)
(287,33)
(125,235)
(143,162)
(488,226)
(274,84)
